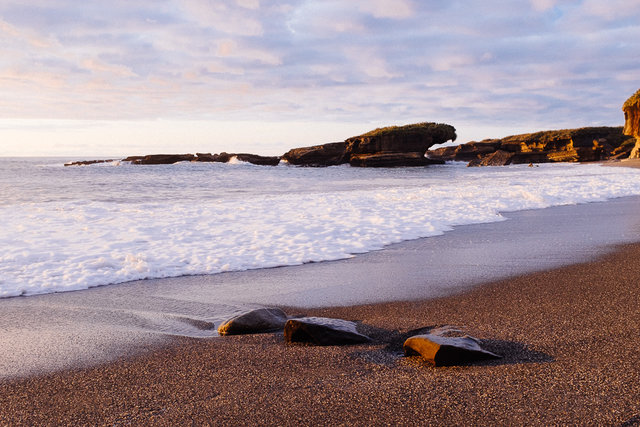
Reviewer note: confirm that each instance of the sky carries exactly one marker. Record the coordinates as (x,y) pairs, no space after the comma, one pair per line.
(124,77)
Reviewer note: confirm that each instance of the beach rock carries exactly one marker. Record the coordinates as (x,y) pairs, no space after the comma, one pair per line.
(318,155)
(323,331)
(161,159)
(567,145)
(631,109)
(258,160)
(447,347)
(132,158)
(464,152)
(87,162)
(209,158)
(387,160)
(499,158)
(254,321)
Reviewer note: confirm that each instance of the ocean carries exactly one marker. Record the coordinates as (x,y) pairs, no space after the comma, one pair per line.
(71,228)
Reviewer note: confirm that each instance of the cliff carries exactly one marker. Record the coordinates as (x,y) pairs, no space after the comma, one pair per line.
(566,145)
(382,147)
(631,109)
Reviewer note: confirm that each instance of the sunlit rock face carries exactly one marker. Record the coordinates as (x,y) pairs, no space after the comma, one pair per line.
(566,145)
(631,109)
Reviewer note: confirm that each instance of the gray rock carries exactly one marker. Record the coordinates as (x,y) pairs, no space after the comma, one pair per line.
(443,349)
(323,331)
(253,322)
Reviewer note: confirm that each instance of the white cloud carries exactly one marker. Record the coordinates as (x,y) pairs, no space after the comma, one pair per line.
(395,9)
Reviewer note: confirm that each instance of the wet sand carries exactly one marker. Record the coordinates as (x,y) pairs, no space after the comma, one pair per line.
(569,337)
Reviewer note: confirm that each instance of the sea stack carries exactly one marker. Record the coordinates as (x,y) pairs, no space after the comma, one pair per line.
(631,109)
(390,146)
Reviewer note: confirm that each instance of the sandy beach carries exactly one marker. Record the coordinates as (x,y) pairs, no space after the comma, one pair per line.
(569,337)
(554,291)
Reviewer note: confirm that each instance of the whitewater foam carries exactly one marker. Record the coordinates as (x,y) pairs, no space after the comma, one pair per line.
(95,225)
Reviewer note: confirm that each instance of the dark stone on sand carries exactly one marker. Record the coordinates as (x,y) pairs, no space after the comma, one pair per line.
(253,322)
(323,331)
(443,348)
(567,145)
(318,155)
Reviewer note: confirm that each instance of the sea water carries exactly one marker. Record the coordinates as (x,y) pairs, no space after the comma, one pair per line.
(70,228)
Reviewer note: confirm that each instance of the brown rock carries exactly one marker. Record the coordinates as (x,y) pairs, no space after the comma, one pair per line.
(132,158)
(87,162)
(318,155)
(445,153)
(253,322)
(258,160)
(162,159)
(388,160)
(442,349)
(567,145)
(415,138)
(388,144)
(322,331)
(499,158)
(631,109)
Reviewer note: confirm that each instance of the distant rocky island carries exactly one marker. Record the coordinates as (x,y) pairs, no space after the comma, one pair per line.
(409,145)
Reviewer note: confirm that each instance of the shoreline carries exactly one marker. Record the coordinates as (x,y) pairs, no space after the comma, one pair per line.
(53,332)
(555,319)
(568,337)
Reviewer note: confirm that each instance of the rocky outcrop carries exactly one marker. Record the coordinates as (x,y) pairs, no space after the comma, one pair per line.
(166,159)
(383,147)
(254,321)
(390,160)
(568,145)
(160,159)
(88,162)
(331,154)
(631,109)
(447,347)
(258,160)
(322,331)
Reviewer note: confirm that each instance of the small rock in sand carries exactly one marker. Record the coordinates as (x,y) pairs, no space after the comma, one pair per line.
(253,322)
(323,331)
(443,349)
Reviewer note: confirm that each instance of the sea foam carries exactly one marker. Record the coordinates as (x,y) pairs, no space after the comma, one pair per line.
(117,224)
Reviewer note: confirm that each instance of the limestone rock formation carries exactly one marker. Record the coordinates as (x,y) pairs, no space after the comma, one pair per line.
(322,331)
(318,155)
(447,347)
(383,147)
(567,145)
(254,321)
(631,109)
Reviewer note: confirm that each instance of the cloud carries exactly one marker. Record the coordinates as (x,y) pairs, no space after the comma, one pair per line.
(546,62)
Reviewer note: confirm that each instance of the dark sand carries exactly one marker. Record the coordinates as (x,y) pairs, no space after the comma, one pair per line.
(570,338)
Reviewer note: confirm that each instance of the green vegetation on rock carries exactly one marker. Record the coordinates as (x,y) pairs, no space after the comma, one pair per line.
(425,128)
